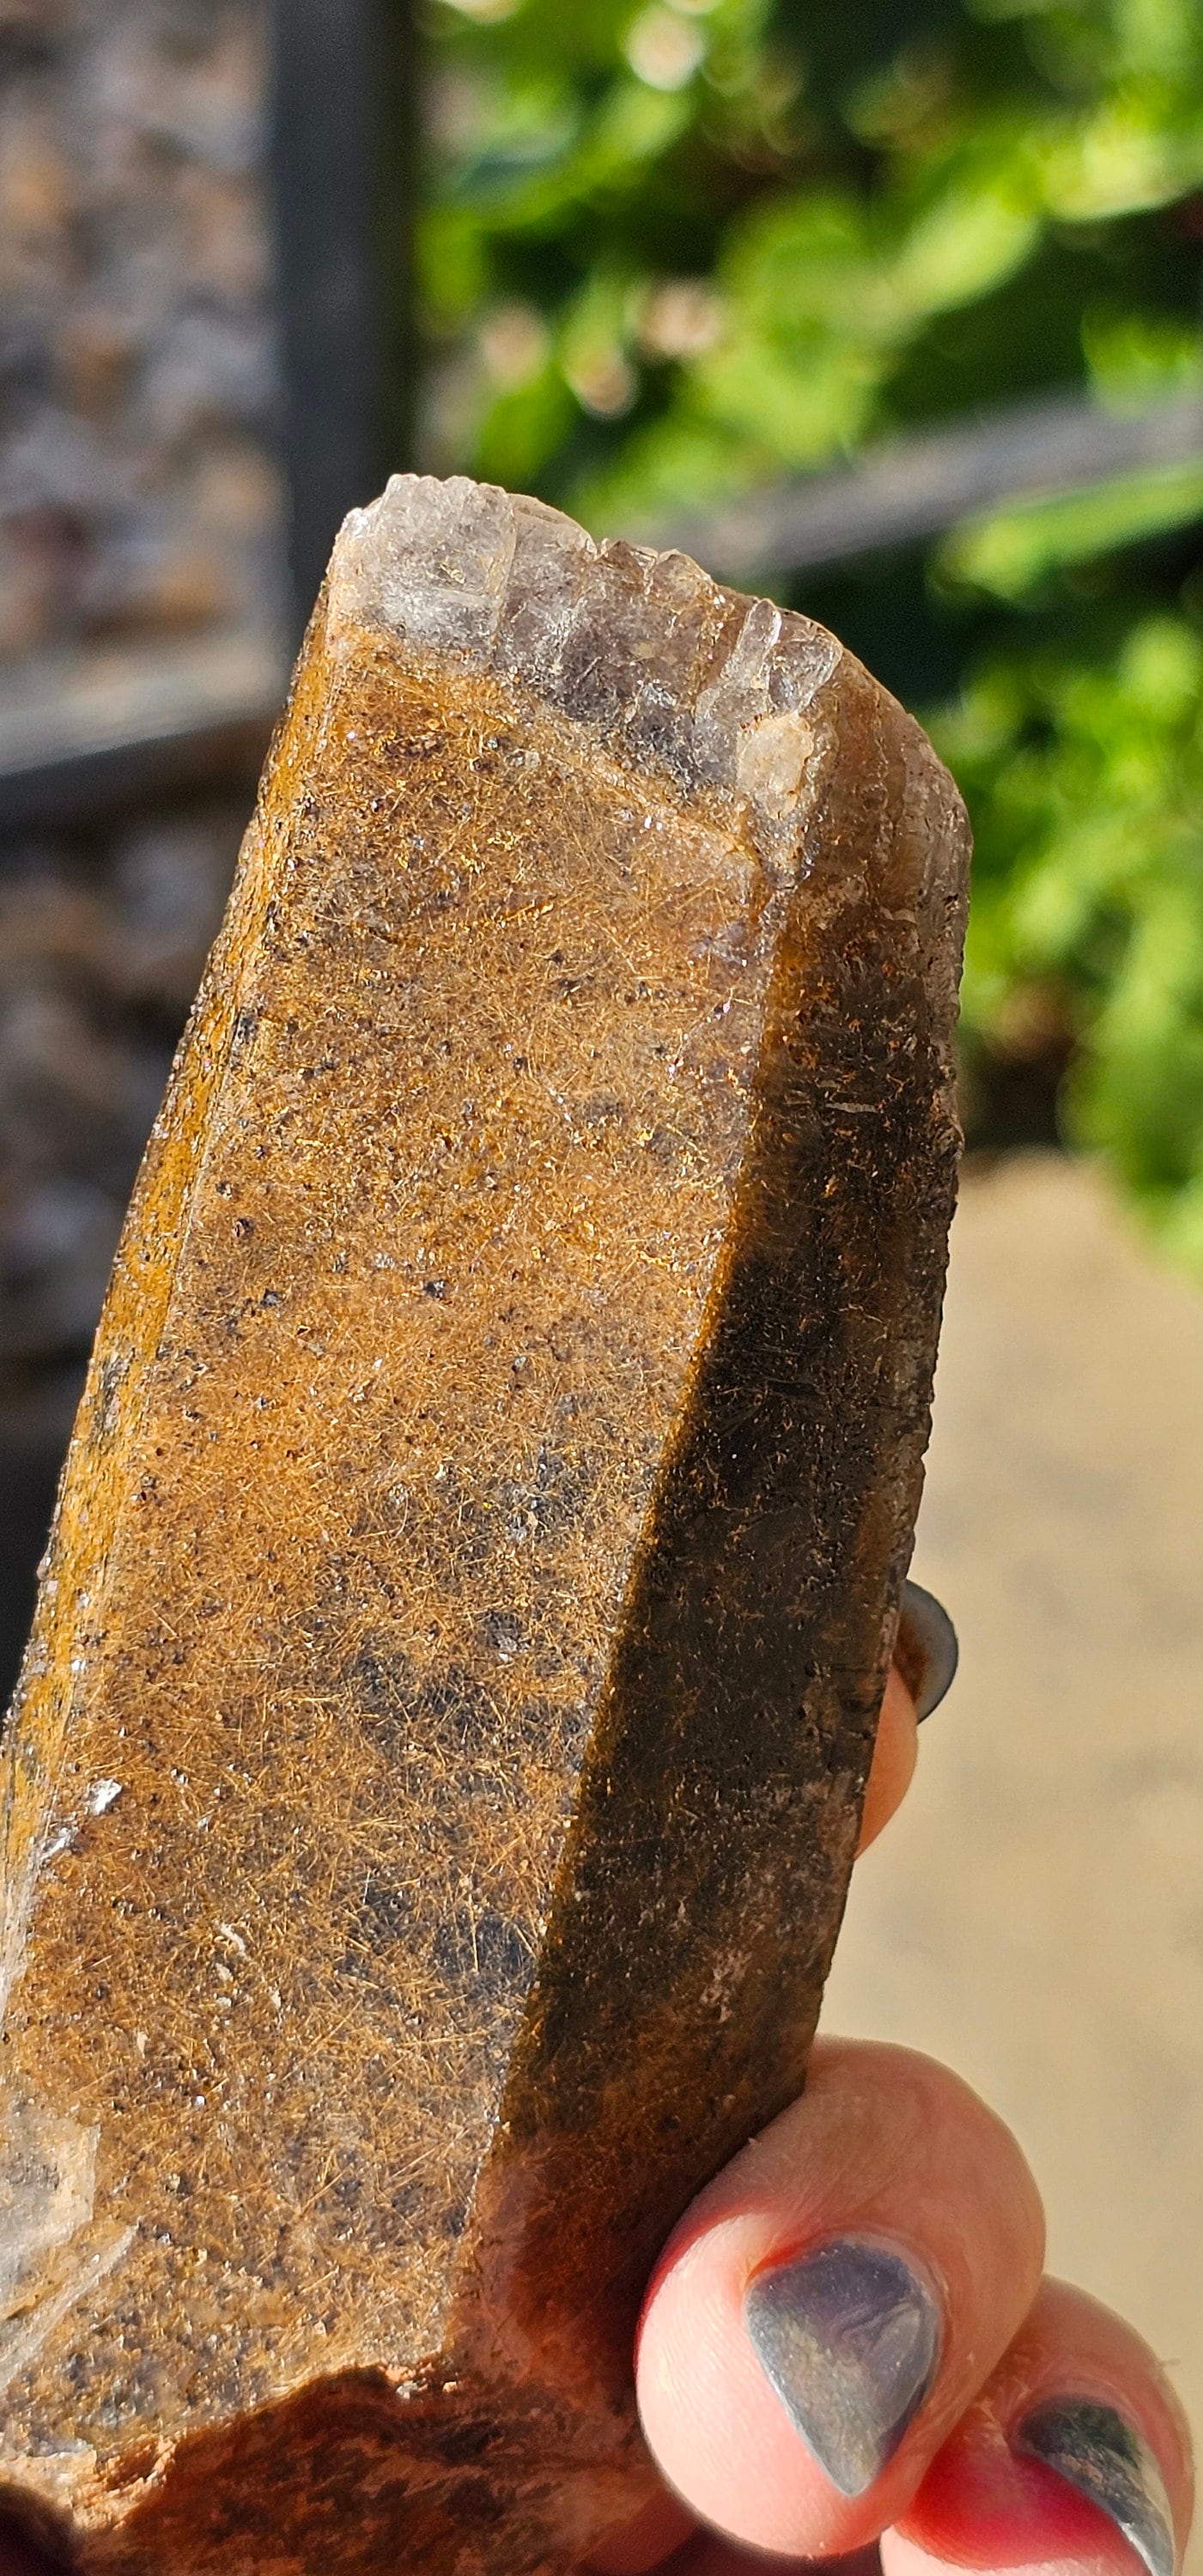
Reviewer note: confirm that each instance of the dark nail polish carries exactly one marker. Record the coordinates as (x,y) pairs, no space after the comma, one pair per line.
(1099,2452)
(926,1650)
(849,2338)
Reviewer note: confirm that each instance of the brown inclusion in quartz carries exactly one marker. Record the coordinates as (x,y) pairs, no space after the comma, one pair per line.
(432,1788)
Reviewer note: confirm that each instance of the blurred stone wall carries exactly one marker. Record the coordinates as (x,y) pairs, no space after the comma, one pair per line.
(140,496)
(138,488)
(141,505)
(102,940)
(103,934)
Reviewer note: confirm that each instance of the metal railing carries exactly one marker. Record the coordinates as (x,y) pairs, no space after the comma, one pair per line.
(82,731)
(916,488)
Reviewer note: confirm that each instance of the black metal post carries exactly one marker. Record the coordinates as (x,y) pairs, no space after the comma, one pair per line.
(341,155)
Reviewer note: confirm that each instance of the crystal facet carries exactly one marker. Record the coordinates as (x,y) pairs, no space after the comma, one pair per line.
(431,1793)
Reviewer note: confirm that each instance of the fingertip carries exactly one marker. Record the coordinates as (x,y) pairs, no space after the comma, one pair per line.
(804,2420)
(1074,2461)
(24,2553)
(998,2511)
(895,1753)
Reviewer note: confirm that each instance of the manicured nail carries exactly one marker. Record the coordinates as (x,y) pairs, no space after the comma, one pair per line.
(1099,2452)
(849,2337)
(926,1649)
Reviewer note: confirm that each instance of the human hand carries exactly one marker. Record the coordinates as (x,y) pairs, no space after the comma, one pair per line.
(848,2338)
(900,2370)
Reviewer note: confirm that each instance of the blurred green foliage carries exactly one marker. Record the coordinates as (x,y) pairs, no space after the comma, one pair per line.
(1086,782)
(674,249)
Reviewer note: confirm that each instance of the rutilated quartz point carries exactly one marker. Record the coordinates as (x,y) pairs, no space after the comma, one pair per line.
(433,1784)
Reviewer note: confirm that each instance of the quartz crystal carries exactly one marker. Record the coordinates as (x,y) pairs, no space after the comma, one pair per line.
(431,1792)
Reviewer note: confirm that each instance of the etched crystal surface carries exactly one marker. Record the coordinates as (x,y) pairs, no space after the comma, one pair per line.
(432,1788)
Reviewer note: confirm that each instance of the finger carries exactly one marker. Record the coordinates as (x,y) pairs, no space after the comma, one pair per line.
(23,2550)
(894,1755)
(662,2526)
(835,2300)
(925,1648)
(710,2556)
(1074,2455)
(924,1666)
(17,2555)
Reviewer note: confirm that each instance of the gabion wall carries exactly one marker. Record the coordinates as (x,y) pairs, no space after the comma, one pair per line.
(139,494)
(102,940)
(140,502)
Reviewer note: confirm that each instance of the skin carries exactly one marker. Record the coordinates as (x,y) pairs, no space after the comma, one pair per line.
(884,2141)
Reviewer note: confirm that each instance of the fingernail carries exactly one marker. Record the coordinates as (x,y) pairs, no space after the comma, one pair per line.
(1099,2452)
(849,2338)
(926,1649)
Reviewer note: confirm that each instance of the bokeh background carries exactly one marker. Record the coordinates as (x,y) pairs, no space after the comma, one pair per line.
(895,310)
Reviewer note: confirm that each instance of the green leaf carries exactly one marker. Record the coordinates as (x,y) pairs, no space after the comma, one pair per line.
(885,215)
